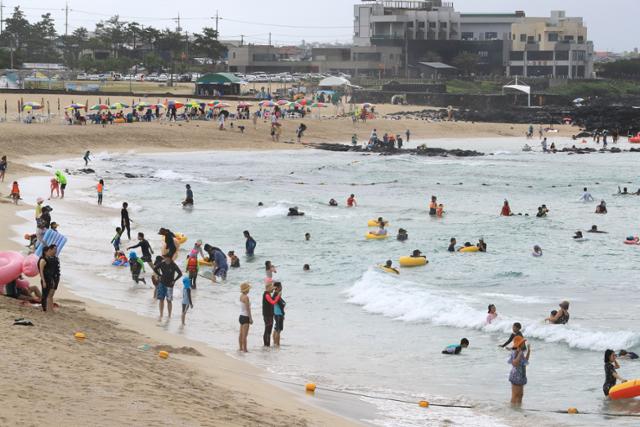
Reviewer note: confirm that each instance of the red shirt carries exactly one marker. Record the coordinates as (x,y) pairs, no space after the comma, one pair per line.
(506,211)
(351,201)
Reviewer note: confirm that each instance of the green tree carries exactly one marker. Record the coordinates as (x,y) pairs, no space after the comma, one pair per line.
(152,62)
(466,62)
(206,44)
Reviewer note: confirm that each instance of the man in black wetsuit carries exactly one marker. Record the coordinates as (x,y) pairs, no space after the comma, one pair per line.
(188,201)
(125,221)
(144,245)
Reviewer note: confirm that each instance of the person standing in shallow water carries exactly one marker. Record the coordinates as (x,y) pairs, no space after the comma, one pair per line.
(518,360)
(268,312)
(245,318)
(125,221)
(611,376)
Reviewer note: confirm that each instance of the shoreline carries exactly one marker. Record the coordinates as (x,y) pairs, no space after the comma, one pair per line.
(234,379)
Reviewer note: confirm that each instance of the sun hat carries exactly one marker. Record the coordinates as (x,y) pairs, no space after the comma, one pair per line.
(39,200)
(245,287)
(517,341)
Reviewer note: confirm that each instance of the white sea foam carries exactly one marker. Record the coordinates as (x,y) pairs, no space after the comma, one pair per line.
(414,302)
(281,208)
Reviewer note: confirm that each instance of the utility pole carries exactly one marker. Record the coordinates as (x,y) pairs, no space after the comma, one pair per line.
(178,28)
(269,39)
(241,39)
(66,19)
(1,15)
(217,19)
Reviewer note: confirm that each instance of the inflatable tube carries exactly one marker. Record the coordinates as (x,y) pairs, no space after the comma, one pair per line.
(627,390)
(371,236)
(30,266)
(205,262)
(120,263)
(10,266)
(388,270)
(634,241)
(51,237)
(535,254)
(635,139)
(469,249)
(181,238)
(374,223)
(407,261)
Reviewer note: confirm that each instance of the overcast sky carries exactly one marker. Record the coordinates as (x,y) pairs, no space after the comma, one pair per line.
(612,27)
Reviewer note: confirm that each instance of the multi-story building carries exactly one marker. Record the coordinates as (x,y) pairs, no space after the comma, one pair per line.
(556,46)
(379,20)
(273,59)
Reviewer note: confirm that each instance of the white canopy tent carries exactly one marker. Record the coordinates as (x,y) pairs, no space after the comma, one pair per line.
(334,81)
(519,87)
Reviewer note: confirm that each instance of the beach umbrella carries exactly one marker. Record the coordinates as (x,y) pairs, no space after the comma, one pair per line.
(193,104)
(303,102)
(578,101)
(159,105)
(318,105)
(283,102)
(222,105)
(33,105)
(243,104)
(99,107)
(74,106)
(175,104)
(27,108)
(142,104)
(118,106)
(367,105)
(267,104)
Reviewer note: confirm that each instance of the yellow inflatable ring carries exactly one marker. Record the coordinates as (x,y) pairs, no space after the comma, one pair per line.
(374,223)
(181,238)
(407,261)
(388,270)
(372,236)
(469,249)
(205,262)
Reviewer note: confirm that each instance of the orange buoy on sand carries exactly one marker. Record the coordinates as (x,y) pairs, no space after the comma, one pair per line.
(310,387)
(423,404)
(163,354)
(80,336)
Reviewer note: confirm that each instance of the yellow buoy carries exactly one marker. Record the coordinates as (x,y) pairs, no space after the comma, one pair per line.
(423,404)
(572,410)
(310,387)
(80,336)
(163,354)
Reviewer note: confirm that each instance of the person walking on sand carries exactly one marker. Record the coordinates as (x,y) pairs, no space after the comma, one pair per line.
(86,158)
(125,221)
(187,302)
(245,318)
(49,268)
(62,180)
(518,375)
(278,314)
(100,189)
(267,312)
(3,167)
(168,273)
(250,244)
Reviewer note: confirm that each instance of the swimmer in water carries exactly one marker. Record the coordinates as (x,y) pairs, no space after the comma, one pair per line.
(601,208)
(482,246)
(333,202)
(433,205)
(560,317)
(506,209)
(188,201)
(586,196)
(624,192)
(452,245)
(578,235)
(537,251)
(594,229)
(306,267)
(455,348)
(389,265)
(624,354)
(491,314)
(417,254)
(440,210)
(402,235)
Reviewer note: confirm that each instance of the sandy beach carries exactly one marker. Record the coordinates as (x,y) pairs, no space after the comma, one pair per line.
(115,376)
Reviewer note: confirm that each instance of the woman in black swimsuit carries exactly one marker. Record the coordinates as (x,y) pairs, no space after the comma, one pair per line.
(610,374)
(49,267)
(561,317)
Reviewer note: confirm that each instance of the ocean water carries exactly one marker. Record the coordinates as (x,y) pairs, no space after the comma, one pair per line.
(352,327)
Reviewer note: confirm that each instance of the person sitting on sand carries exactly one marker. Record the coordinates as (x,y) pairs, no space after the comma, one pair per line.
(560,317)
(456,348)
(402,235)
(601,208)
(452,245)
(506,209)
(333,202)
(594,229)
(578,235)
(623,354)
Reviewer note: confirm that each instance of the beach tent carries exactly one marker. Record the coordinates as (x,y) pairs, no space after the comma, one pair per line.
(519,87)
(334,82)
(225,83)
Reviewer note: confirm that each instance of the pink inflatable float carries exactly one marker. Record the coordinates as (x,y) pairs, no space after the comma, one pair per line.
(30,266)
(10,266)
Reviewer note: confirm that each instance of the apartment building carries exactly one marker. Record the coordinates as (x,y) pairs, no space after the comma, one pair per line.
(555,46)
